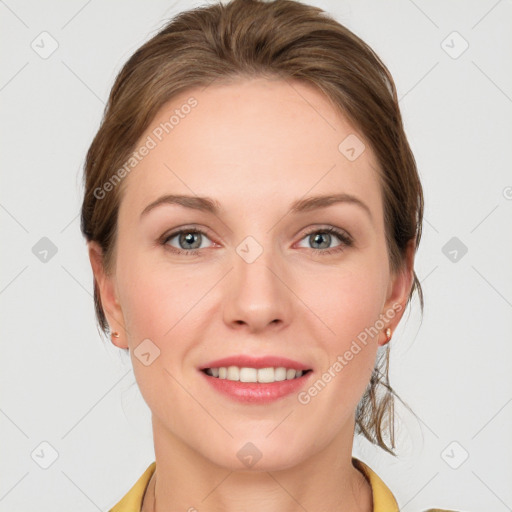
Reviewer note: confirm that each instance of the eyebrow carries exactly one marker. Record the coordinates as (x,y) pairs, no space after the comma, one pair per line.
(210,205)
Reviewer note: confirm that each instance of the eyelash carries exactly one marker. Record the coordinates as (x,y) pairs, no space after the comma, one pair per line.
(345,239)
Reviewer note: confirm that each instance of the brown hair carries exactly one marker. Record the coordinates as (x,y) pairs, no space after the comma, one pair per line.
(283,39)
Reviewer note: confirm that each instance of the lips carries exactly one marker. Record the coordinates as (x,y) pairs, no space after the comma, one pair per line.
(245,361)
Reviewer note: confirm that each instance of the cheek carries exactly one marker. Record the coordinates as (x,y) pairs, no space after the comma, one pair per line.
(155,296)
(349,303)
(160,305)
(166,305)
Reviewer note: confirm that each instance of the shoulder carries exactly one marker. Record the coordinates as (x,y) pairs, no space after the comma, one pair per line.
(383,499)
(132,501)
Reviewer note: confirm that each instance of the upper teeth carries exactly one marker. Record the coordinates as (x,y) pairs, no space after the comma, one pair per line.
(254,374)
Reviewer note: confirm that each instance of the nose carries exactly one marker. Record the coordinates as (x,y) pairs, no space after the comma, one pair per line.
(257,295)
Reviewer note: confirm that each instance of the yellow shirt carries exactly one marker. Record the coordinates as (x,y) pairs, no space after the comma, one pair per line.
(383,499)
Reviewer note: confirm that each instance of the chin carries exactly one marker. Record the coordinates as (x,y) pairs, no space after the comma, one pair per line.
(255,454)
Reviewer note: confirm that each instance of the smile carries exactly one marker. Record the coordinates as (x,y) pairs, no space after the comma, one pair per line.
(252,392)
(260,375)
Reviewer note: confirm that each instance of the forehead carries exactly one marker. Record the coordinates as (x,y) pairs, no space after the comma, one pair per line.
(255,140)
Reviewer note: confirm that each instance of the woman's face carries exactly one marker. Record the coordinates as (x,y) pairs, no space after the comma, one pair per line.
(266,279)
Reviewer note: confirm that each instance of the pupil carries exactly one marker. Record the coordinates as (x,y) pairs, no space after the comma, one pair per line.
(317,236)
(189,239)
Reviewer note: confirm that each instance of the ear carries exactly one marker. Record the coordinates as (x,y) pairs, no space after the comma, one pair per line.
(107,290)
(397,294)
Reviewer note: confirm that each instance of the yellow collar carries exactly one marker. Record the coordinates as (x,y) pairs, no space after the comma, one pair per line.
(383,499)
(132,501)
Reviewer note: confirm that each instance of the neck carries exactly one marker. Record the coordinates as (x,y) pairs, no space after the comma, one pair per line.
(184,480)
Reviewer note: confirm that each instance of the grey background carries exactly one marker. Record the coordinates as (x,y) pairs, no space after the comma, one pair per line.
(63,385)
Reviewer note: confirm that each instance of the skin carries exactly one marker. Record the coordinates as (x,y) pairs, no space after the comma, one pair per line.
(255,146)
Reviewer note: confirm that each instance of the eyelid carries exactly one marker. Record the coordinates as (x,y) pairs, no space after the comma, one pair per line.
(327,228)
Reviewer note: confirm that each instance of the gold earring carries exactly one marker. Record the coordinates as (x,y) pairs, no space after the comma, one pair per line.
(388,334)
(115,334)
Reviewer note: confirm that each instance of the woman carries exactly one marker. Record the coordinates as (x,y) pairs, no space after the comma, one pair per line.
(252,210)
